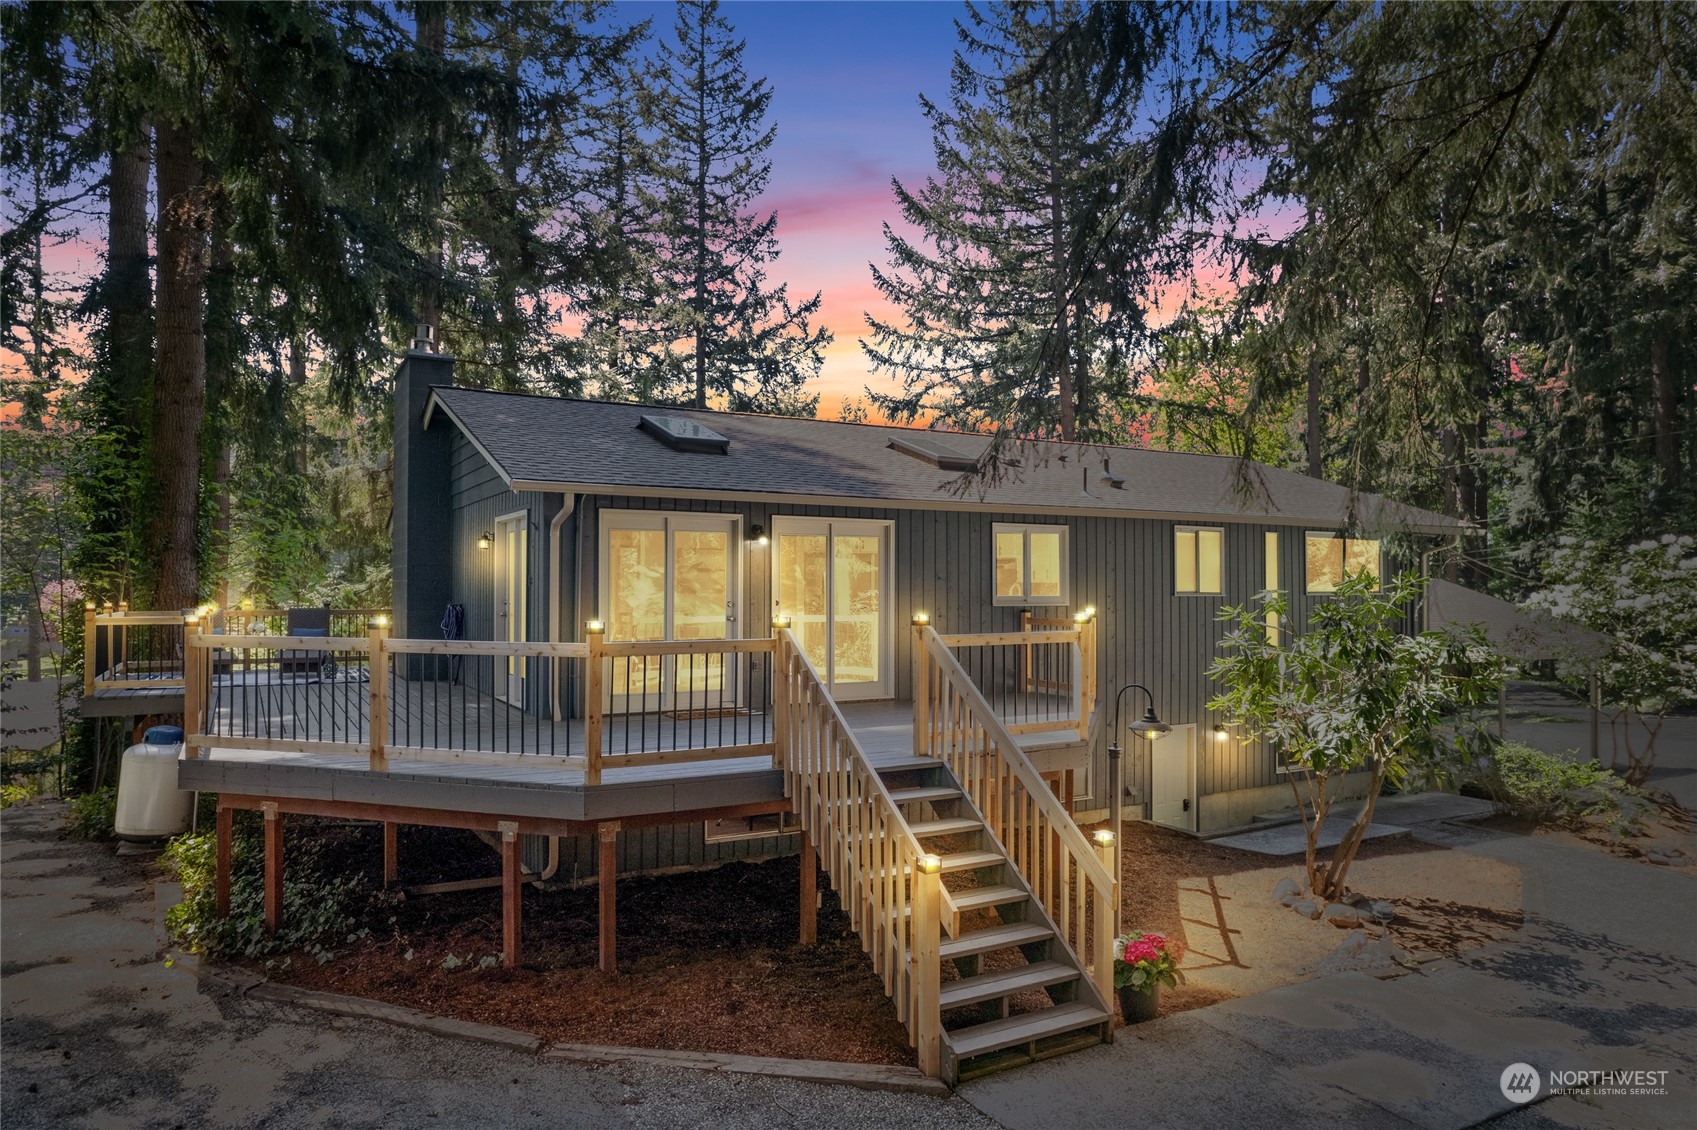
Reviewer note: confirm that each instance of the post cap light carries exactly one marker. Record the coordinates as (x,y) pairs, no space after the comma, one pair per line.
(595,627)
(1103,837)
(1090,611)
(380,621)
(780,622)
(89,605)
(107,606)
(191,617)
(1081,617)
(757,534)
(930,864)
(123,606)
(485,540)
(920,619)
(247,604)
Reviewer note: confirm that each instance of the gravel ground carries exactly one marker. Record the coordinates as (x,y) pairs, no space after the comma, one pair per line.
(98,1032)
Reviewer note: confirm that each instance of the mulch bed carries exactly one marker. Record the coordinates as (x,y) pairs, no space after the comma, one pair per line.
(708,961)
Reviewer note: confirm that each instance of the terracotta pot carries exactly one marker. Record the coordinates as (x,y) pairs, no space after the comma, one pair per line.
(1138,1005)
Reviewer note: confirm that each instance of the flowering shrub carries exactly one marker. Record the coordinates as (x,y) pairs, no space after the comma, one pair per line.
(1141,961)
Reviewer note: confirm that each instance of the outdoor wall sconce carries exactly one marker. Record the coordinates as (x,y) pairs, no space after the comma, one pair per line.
(595,627)
(920,619)
(485,540)
(1220,733)
(781,622)
(757,534)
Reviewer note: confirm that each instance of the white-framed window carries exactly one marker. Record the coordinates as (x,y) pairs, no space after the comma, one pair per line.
(1198,559)
(1031,564)
(1330,557)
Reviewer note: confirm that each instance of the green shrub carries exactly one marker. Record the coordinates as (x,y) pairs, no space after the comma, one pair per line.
(1555,790)
(321,909)
(92,815)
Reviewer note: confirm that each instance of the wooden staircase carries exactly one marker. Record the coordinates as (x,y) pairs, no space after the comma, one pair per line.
(1010,991)
(984,910)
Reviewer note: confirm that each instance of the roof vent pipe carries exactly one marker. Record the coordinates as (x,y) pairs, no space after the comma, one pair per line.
(424,339)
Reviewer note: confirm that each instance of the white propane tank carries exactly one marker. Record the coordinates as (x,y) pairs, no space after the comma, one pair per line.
(150,805)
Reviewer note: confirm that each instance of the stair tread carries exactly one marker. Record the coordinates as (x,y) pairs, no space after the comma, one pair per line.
(928,792)
(995,938)
(976,898)
(988,986)
(966,860)
(1024,1028)
(944,827)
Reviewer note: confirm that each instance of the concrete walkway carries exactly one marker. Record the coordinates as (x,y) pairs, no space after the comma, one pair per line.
(1602,977)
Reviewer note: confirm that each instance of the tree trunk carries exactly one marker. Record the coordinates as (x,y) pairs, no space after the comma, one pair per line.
(221,345)
(36,636)
(1315,427)
(699,299)
(1667,405)
(179,383)
(1060,354)
(129,290)
(431,37)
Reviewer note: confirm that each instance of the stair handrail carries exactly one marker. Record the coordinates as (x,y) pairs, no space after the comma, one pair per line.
(1032,824)
(864,844)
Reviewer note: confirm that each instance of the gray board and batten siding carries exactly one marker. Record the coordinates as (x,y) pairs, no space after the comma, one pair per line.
(1120,549)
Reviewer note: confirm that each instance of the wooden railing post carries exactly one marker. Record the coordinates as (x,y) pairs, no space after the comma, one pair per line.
(1107,912)
(194,710)
(927,941)
(593,694)
(921,688)
(377,673)
(88,648)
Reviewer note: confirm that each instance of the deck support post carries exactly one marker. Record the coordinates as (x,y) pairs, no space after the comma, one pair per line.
(223,839)
(592,707)
(273,866)
(809,890)
(511,897)
(391,854)
(90,656)
(608,834)
(377,669)
(194,685)
(927,942)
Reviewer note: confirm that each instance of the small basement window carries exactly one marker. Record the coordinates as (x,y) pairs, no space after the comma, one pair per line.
(1198,559)
(752,827)
(1031,564)
(1330,558)
(682,434)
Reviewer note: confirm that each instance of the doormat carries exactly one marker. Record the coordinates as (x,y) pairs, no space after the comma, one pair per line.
(712,712)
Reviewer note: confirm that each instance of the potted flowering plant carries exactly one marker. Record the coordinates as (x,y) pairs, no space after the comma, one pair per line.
(1144,962)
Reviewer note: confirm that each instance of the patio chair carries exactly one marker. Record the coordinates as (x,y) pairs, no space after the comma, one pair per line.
(305,622)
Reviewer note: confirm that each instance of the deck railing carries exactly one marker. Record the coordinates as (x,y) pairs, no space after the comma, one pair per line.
(889,886)
(588,706)
(955,723)
(1040,679)
(131,650)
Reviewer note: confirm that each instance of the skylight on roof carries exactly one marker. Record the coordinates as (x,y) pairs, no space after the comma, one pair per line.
(682,434)
(928,450)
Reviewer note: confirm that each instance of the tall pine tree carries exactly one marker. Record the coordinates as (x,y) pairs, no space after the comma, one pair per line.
(1025,297)
(735,340)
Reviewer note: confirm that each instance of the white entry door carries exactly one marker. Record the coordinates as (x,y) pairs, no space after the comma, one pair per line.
(1172,778)
(833,580)
(669,577)
(511,574)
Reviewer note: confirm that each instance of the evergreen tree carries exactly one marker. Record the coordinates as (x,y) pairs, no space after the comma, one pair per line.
(733,339)
(1025,299)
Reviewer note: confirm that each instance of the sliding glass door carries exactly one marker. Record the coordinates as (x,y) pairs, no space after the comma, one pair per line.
(668,577)
(833,580)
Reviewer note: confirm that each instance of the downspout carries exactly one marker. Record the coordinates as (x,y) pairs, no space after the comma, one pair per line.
(567,505)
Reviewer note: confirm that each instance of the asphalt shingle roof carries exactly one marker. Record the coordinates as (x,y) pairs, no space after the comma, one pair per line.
(589,445)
